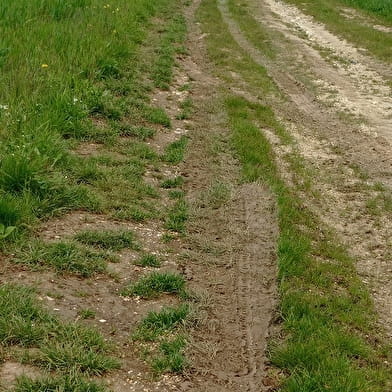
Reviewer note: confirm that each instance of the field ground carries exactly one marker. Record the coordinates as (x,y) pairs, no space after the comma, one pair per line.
(196,196)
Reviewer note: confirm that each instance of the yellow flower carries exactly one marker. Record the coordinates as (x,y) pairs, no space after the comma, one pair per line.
(44,66)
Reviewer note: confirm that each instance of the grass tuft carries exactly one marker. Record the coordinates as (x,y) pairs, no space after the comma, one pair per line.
(148,260)
(174,152)
(156,283)
(172,182)
(177,216)
(65,257)
(156,324)
(71,383)
(58,346)
(171,357)
(109,239)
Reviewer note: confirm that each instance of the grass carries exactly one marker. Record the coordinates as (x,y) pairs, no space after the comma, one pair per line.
(172,182)
(177,216)
(218,195)
(381,8)
(328,319)
(166,344)
(253,30)
(156,324)
(186,107)
(89,82)
(155,283)
(86,314)
(174,152)
(171,356)
(109,239)
(65,257)
(139,132)
(58,346)
(57,384)
(172,37)
(148,260)
(84,85)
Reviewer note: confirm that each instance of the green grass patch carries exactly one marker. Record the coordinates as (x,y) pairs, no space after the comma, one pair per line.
(59,346)
(173,36)
(65,257)
(186,107)
(175,182)
(57,384)
(381,8)
(140,132)
(156,283)
(85,85)
(156,324)
(176,194)
(171,356)
(148,260)
(86,314)
(177,216)
(174,152)
(109,239)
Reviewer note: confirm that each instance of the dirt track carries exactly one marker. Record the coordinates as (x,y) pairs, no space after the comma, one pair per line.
(341,148)
(338,109)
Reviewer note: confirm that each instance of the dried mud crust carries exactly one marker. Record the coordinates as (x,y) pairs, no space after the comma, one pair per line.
(350,158)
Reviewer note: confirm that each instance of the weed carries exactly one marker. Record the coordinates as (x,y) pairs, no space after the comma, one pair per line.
(148,260)
(109,239)
(155,283)
(6,231)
